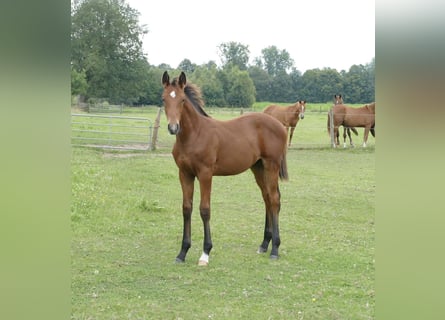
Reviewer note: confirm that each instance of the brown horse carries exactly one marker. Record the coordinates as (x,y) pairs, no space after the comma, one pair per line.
(338,99)
(206,147)
(345,116)
(288,116)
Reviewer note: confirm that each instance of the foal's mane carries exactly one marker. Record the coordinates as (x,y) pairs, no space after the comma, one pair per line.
(193,93)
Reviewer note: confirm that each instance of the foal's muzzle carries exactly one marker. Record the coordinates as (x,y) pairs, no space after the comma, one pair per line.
(301,115)
(173,128)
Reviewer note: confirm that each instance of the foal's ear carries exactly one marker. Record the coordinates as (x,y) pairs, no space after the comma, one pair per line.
(165,79)
(182,80)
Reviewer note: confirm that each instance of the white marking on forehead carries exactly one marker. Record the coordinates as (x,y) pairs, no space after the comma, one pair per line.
(173,94)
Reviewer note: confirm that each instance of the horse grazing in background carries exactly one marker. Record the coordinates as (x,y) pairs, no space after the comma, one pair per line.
(288,116)
(363,117)
(206,147)
(338,99)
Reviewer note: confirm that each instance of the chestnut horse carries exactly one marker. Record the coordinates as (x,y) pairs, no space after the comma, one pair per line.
(339,100)
(345,116)
(288,116)
(206,147)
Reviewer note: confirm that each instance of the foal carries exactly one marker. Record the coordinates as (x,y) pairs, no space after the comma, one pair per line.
(206,147)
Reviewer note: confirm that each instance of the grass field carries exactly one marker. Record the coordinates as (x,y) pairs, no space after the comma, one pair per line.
(127,228)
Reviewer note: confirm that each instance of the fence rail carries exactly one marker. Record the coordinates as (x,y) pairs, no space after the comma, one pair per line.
(111,132)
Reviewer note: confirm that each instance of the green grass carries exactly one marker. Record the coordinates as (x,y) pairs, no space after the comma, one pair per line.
(127,229)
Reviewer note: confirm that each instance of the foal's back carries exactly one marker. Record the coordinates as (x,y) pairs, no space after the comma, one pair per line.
(252,131)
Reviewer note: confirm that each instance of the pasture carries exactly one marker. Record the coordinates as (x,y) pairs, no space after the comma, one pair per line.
(126,223)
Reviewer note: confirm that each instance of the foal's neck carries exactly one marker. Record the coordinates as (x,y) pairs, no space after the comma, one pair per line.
(190,122)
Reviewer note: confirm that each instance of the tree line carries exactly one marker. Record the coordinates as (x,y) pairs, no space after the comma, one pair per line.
(108,63)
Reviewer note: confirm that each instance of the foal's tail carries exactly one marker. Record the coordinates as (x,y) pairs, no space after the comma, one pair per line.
(354,130)
(283,168)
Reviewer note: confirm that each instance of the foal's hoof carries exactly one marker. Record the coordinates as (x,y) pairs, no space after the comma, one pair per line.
(273,257)
(203,263)
(261,250)
(177,260)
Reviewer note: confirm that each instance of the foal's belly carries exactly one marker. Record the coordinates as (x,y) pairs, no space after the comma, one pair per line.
(229,167)
(217,165)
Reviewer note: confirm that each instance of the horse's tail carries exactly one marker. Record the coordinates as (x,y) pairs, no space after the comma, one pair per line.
(329,123)
(283,168)
(354,130)
(373,131)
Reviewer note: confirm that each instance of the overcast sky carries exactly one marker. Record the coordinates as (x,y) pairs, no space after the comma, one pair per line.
(316,33)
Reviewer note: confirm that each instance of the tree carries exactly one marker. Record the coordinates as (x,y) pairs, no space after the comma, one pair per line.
(79,84)
(187,66)
(296,84)
(152,87)
(359,84)
(330,83)
(281,89)
(240,90)
(106,46)
(234,54)
(262,82)
(206,77)
(310,85)
(275,61)
(369,90)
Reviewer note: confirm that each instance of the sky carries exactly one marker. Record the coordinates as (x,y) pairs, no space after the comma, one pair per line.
(315,33)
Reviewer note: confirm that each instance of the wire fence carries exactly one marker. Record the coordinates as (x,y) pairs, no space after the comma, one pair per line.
(111,132)
(143,128)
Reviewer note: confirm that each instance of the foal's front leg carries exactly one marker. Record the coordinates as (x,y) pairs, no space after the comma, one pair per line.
(205,184)
(187,184)
(291,135)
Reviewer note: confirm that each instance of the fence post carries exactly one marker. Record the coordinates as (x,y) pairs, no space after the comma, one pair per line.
(156,128)
(331,127)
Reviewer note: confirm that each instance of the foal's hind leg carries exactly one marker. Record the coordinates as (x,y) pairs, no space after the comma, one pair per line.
(258,171)
(336,136)
(348,131)
(365,136)
(267,180)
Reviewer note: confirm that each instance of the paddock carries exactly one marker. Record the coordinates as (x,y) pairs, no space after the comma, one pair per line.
(126,203)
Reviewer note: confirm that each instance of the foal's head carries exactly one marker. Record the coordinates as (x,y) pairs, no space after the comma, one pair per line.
(173,98)
(176,94)
(338,99)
